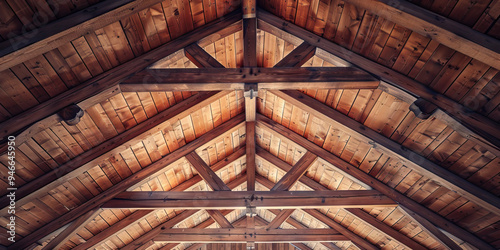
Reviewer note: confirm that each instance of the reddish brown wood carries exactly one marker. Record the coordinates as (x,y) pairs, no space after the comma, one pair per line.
(250,42)
(206,173)
(243,199)
(250,75)
(280,218)
(220,218)
(200,57)
(250,155)
(294,174)
(298,56)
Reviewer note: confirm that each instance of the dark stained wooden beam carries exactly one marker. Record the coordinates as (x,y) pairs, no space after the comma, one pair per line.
(115,145)
(249,33)
(298,57)
(200,57)
(206,172)
(109,79)
(220,218)
(250,155)
(126,183)
(251,75)
(244,199)
(328,221)
(403,239)
(280,218)
(220,34)
(243,235)
(431,229)
(64,30)
(439,28)
(436,219)
(294,174)
(470,124)
(413,160)
(72,229)
(355,211)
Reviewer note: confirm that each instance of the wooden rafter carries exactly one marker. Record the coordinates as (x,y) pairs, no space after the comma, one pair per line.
(436,219)
(330,222)
(476,127)
(294,174)
(280,218)
(431,229)
(115,145)
(126,183)
(243,234)
(390,147)
(298,57)
(206,172)
(64,30)
(441,29)
(200,57)
(107,80)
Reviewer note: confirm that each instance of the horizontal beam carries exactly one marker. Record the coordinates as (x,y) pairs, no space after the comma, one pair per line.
(243,199)
(249,75)
(245,234)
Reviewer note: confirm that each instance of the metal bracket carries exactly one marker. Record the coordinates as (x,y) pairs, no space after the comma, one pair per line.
(250,90)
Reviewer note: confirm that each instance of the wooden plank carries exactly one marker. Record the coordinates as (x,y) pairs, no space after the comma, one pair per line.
(441,29)
(241,199)
(115,228)
(87,160)
(250,75)
(92,87)
(294,174)
(72,229)
(298,57)
(66,29)
(200,57)
(249,8)
(374,183)
(407,157)
(250,155)
(126,183)
(473,125)
(430,228)
(206,172)
(280,218)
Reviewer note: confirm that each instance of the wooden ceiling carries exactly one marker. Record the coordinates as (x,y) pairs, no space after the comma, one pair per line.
(388,110)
